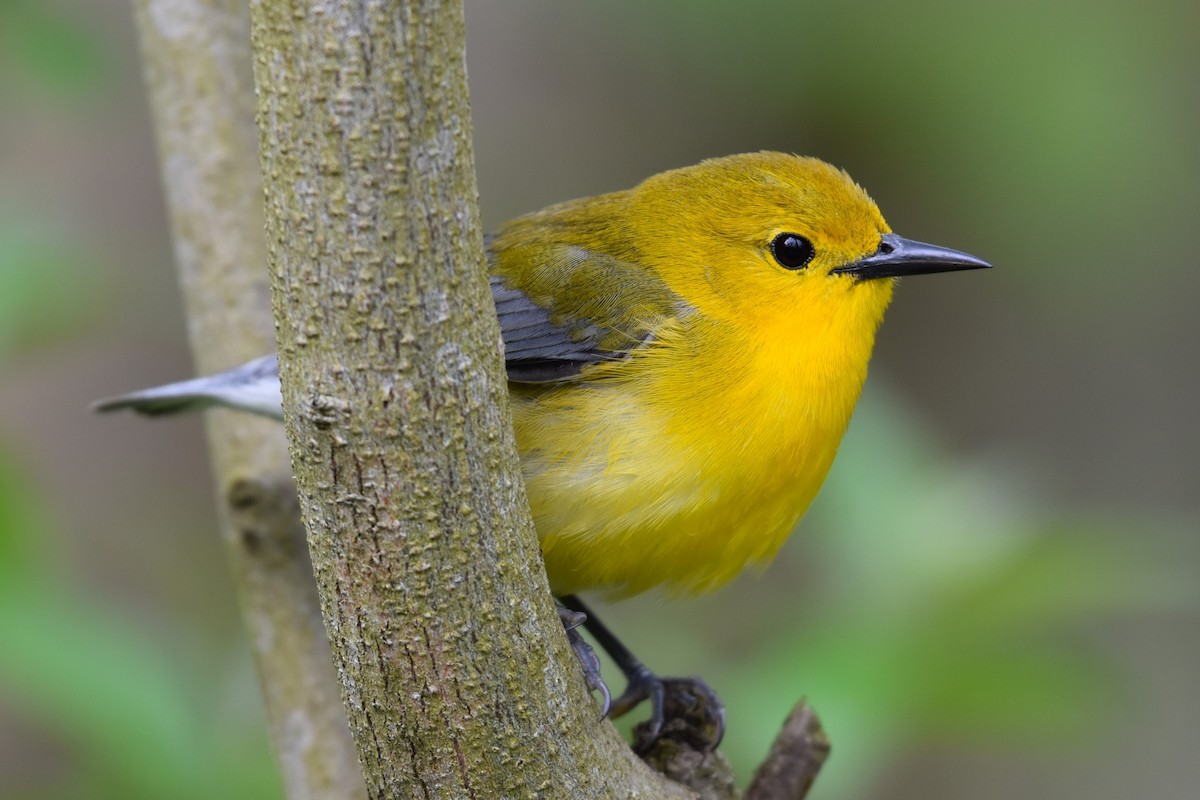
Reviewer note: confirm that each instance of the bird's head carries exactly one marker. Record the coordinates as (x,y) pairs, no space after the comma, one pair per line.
(769,236)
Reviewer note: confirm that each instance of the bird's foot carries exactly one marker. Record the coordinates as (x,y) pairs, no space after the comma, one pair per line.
(685,710)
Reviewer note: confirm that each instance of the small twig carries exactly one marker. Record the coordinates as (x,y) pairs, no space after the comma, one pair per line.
(795,758)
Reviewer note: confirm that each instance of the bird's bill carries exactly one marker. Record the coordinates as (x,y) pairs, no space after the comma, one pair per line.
(898,257)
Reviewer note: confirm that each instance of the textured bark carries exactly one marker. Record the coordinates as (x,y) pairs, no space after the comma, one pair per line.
(454,667)
(198,71)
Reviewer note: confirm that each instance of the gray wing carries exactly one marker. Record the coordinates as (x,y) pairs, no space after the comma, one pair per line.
(536,349)
(562,307)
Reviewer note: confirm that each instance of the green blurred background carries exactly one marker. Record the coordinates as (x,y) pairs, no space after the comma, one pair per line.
(995,596)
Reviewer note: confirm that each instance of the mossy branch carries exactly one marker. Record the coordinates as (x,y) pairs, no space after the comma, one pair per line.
(454,667)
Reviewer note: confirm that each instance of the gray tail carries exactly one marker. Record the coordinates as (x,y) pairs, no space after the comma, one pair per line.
(252,387)
(174,398)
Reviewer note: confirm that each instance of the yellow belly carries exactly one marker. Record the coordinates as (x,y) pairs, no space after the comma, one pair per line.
(678,469)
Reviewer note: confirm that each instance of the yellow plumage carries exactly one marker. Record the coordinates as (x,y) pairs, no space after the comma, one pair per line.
(697,453)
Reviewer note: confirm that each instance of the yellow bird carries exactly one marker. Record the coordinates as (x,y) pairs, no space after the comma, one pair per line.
(683,359)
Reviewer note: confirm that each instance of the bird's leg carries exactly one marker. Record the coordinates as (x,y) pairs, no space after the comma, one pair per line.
(683,697)
(571,620)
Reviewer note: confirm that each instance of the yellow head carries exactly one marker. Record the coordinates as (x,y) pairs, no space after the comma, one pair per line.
(769,236)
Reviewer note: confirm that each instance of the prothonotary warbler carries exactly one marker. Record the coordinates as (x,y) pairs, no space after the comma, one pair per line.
(683,359)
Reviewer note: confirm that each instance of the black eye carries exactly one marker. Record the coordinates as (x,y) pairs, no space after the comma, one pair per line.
(792,251)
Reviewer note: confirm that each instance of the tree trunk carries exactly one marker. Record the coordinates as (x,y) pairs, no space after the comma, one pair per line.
(196,55)
(454,667)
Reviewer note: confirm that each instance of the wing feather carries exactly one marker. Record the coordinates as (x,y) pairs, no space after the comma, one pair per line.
(568,307)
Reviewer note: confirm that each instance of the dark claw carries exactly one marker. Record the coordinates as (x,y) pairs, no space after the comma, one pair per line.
(603,689)
(586,656)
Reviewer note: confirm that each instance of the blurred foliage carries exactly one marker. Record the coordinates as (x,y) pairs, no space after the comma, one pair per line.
(44,294)
(138,720)
(43,46)
(46,291)
(931,597)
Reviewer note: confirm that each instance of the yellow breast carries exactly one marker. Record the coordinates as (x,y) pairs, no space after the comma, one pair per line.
(697,455)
